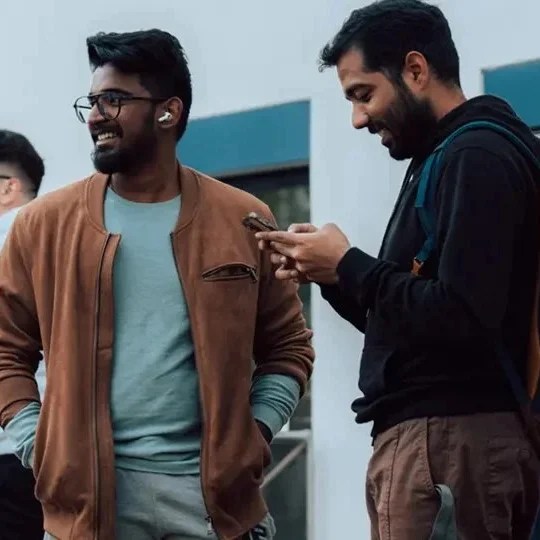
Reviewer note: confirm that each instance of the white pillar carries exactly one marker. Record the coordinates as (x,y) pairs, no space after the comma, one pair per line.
(353,183)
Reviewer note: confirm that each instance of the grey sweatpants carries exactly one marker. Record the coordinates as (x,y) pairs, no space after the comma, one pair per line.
(164,507)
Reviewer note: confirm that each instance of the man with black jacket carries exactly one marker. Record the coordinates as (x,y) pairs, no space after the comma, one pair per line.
(441,407)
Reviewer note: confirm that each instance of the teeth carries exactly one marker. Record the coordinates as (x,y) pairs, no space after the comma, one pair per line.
(105,136)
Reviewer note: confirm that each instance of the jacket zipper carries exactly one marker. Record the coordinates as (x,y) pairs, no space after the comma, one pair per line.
(210,526)
(94,390)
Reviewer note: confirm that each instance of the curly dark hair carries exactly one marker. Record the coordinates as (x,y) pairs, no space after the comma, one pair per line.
(387,30)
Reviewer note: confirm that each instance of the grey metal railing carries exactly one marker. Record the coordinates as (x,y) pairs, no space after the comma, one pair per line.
(302,437)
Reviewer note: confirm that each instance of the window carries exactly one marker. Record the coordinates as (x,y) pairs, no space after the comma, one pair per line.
(518,84)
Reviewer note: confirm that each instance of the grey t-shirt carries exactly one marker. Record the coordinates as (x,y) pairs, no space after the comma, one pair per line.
(155,404)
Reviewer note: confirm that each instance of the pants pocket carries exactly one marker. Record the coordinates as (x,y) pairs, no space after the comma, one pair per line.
(401,495)
(423,455)
(511,465)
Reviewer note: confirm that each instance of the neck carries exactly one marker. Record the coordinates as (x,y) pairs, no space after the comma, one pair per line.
(447,101)
(153,182)
(4,209)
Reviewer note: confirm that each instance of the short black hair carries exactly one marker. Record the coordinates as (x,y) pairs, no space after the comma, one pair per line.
(156,56)
(17,150)
(387,30)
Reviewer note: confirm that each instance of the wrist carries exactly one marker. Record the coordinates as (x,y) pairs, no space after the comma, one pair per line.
(265,431)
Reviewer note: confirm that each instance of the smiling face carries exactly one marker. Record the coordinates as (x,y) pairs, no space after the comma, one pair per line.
(390,109)
(126,142)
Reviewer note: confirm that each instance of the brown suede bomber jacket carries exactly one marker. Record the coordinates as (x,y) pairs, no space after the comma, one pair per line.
(56,296)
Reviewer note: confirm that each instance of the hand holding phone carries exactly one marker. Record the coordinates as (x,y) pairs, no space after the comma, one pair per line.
(285,267)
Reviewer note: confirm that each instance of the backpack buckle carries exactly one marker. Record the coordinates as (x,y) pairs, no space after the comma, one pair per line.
(417,266)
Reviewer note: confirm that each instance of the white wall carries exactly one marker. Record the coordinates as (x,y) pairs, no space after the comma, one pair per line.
(353,183)
(244,54)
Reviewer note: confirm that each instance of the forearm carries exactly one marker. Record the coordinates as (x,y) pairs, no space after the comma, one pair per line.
(21,431)
(422,309)
(345,305)
(273,399)
(18,386)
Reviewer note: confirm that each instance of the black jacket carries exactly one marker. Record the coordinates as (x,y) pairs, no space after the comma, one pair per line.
(426,351)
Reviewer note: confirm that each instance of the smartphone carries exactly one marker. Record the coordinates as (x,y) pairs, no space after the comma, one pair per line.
(257,223)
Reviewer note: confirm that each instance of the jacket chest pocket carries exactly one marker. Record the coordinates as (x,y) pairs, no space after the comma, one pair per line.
(230,289)
(231,272)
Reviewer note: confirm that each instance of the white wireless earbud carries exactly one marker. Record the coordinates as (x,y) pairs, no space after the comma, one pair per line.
(165,117)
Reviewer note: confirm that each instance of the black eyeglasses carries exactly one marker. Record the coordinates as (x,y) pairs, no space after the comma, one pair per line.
(109,104)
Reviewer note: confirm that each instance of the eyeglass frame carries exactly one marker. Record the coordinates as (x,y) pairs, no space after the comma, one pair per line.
(116,95)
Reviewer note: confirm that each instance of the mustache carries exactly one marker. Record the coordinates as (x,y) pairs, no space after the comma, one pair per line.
(108,127)
(375,127)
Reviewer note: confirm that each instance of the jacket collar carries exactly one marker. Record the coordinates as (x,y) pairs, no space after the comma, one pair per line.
(97,184)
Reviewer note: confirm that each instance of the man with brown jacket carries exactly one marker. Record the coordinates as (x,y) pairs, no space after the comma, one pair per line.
(150,302)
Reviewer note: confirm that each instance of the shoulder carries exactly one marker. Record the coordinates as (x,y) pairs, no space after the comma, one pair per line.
(487,145)
(47,209)
(491,156)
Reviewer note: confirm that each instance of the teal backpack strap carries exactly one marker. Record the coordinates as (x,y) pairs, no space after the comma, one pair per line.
(429,181)
(425,208)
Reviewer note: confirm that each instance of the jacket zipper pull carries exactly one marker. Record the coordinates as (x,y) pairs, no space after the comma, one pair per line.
(209,526)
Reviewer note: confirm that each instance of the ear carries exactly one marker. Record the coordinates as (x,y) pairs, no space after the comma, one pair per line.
(10,186)
(9,189)
(416,71)
(174,107)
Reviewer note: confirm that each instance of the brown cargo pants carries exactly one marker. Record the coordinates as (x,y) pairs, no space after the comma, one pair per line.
(485,460)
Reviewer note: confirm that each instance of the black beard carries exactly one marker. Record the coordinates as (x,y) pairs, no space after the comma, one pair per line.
(411,122)
(125,160)
(112,161)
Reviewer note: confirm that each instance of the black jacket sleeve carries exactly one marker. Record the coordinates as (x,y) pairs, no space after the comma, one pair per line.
(345,306)
(480,204)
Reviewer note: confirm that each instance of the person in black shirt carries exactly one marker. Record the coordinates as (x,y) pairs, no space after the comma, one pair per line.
(442,410)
